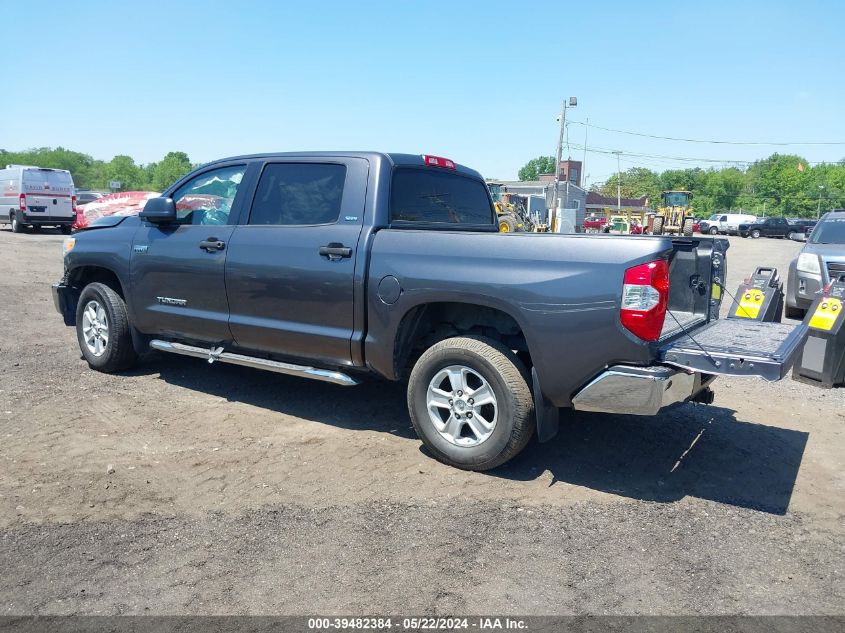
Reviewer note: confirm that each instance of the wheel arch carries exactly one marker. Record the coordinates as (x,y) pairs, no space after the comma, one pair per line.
(425,324)
(81,276)
(77,278)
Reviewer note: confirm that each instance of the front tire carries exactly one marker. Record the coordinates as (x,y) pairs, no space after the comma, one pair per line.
(714,231)
(470,404)
(657,226)
(66,229)
(508,224)
(103,330)
(755,234)
(687,227)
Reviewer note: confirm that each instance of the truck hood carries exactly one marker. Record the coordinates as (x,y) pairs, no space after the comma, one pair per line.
(828,251)
(108,222)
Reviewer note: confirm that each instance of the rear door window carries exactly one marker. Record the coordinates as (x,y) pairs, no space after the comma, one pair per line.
(47,180)
(296,194)
(429,196)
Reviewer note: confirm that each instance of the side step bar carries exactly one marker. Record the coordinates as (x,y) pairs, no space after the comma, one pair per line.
(217,354)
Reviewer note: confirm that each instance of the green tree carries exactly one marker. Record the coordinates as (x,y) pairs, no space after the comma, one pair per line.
(171,168)
(536,166)
(636,183)
(124,170)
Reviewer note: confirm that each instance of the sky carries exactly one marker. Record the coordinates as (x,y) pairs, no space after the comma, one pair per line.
(479,82)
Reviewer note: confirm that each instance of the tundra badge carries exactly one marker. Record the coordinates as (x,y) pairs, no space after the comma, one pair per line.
(170,301)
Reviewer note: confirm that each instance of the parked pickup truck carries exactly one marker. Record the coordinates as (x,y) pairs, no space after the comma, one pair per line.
(769,227)
(333,266)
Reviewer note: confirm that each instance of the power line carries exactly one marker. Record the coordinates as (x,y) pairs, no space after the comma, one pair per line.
(686,159)
(712,142)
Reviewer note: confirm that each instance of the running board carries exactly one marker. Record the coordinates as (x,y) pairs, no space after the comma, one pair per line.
(217,354)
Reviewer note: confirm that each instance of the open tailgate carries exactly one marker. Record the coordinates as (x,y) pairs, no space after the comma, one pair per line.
(737,347)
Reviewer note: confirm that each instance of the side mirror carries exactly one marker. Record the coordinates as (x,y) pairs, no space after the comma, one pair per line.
(799,237)
(159,211)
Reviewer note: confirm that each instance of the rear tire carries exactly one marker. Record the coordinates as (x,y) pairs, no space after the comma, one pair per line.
(103,330)
(687,227)
(66,230)
(794,313)
(17,227)
(657,227)
(444,415)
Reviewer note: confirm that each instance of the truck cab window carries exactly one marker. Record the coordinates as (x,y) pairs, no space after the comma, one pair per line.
(208,198)
(439,197)
(298,194)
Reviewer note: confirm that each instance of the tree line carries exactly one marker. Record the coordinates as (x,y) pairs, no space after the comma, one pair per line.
(90,173)
(782,184)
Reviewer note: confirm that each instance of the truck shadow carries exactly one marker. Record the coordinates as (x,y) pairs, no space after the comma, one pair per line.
(372,406)
(689,450)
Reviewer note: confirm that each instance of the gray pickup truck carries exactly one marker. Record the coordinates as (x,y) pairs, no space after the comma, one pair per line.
(332,266)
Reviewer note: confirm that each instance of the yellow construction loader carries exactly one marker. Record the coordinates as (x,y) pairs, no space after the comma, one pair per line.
(510,210)
(674,217)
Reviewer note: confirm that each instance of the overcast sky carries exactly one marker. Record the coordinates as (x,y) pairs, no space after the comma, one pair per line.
(479,82)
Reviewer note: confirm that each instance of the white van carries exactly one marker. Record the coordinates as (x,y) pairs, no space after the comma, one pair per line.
(725,223)
(729,222)
(36,197)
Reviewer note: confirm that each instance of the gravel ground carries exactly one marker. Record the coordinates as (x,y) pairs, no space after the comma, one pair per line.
(182,489)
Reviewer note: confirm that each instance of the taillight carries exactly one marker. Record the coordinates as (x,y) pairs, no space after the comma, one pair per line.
(73,203)
(645,294)
(438,161)
(22,202)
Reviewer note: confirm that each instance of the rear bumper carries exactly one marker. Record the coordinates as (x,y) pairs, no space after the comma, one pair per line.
(51,220)
(639,390)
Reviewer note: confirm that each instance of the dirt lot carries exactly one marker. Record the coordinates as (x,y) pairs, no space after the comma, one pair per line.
(181,488)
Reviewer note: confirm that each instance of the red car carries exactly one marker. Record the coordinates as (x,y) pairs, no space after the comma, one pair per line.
(594,224)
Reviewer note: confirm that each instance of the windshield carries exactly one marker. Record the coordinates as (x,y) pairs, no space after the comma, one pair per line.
(714,218)
(829,232)
(676,198)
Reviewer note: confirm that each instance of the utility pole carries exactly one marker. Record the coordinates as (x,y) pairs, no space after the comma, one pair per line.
(618,182)
(573,101)
(584,161)
(819,207)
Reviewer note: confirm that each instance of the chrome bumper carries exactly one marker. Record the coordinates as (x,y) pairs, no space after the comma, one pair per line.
(639,390)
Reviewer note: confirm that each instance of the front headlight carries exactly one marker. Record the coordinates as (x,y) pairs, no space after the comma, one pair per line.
(67,245)
(809,263)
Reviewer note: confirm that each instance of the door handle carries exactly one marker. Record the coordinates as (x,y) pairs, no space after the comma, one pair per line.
(335,251)
(212,244)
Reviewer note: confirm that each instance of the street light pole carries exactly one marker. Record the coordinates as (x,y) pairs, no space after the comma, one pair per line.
(819,207)
(573,101)
(618,182)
